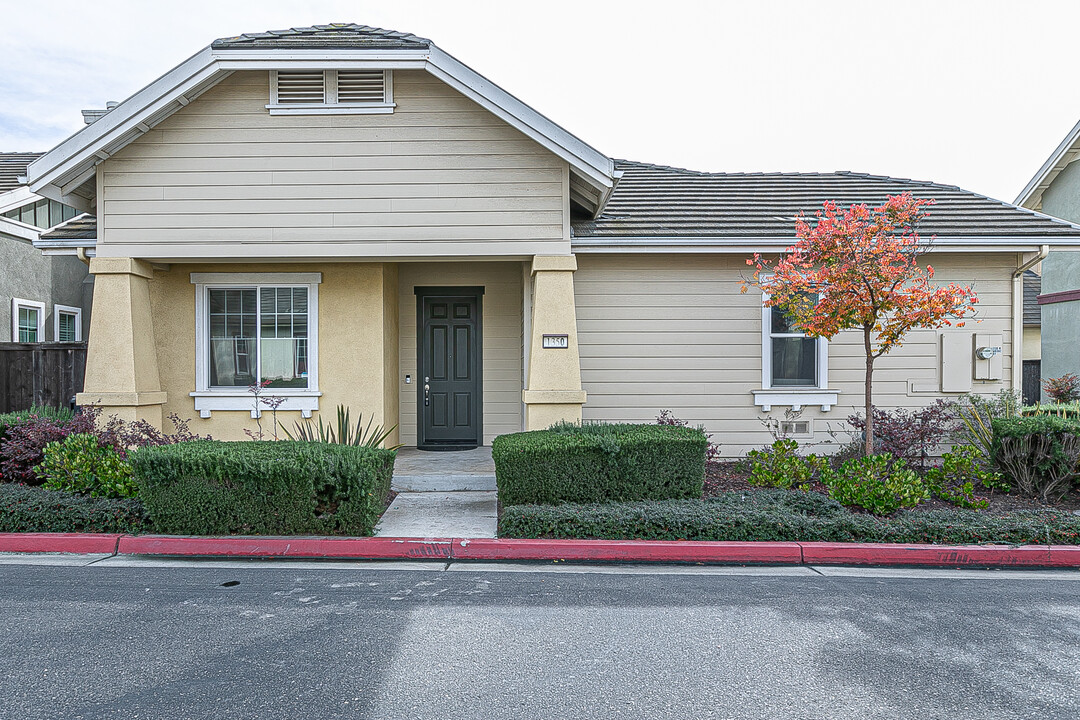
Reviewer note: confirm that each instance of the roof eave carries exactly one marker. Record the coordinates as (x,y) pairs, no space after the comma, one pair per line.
(1031,194)
(750,244)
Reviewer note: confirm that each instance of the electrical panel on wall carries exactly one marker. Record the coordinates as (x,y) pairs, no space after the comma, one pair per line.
(956,362)
(987,356)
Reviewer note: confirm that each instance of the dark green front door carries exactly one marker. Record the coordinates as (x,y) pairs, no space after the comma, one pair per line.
(449,403)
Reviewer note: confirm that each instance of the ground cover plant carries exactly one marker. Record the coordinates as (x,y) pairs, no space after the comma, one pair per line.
(597,461)
(34,509)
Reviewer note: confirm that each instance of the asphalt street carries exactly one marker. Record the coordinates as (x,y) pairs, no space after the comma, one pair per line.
(136,639)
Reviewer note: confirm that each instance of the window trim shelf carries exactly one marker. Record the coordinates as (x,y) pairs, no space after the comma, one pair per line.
(206,401)
(320,109)
(796,398)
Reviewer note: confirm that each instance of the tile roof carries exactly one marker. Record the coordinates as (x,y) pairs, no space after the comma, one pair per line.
(12,166)
(334,35)
(658,201)
(80,227)
(1032,288)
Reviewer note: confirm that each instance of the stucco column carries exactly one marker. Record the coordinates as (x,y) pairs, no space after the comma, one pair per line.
(121,358)
(553,390)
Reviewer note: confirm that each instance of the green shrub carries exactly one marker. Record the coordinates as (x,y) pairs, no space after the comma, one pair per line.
(263,488)
(876,483)
(780,466)
(782,515)
(958,477)
(1065,410)
(80,463)
(34,509)
(1039,453)
(599,462)
(977,414)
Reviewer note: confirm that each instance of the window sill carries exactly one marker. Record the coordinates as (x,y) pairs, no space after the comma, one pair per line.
(796,398)
(206,401)
(320,109)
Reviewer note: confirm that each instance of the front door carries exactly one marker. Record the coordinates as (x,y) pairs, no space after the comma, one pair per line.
(449,402)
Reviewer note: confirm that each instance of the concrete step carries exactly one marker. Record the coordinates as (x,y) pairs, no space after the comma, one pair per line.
(455,482)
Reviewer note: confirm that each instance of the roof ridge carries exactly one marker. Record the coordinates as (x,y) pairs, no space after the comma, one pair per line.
(314,30)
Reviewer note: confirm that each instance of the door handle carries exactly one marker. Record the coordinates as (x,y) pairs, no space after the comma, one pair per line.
(427,393)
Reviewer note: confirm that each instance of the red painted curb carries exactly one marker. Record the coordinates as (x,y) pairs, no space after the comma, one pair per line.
(298,547)
(58,542)
(941,555)
(1064,556)
(628,551)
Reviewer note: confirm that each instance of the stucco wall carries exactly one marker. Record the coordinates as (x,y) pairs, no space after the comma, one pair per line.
(674,332)
(357,337)
(1061,272)
(26,273)
(438,177)
(501,327)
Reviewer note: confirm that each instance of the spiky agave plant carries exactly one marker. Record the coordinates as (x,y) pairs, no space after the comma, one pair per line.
(345,433)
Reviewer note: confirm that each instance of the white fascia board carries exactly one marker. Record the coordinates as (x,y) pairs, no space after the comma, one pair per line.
(1027,195)
(750,244)
(78,152)
(17,198)
(595,167)
(19,230)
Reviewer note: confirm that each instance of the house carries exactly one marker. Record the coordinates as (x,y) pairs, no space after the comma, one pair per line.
(1054,190)
(357,218)
(42,298)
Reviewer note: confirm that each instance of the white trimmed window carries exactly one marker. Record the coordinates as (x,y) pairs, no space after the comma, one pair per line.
(27,321)
(254,328)
(794,367)
(303,92)
(67,323)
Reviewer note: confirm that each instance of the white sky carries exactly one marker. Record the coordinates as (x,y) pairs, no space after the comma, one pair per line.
(975,94)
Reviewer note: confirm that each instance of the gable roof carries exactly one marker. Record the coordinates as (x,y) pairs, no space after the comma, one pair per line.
(1066,151)
(13,166)
(677,206)
(66,172)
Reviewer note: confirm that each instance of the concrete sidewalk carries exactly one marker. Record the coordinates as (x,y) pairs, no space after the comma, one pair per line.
(440,514)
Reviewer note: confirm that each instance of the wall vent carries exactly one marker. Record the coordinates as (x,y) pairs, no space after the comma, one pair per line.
(796,428)
(301,86)
(361,86)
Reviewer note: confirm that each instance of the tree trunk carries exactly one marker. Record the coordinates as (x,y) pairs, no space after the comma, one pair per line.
(868,392)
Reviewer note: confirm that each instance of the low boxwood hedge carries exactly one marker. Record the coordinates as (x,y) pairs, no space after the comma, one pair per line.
(599,462)
(34,509)
(263,488)
(782,515)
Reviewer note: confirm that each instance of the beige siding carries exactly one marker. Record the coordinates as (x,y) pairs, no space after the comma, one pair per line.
(438,177)
(674,332)
(501,328)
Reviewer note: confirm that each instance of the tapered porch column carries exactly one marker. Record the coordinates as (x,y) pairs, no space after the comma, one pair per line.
(553,390)
(121,358)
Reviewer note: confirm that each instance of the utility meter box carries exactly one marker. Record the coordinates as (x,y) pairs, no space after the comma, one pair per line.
(956,362)
(987,353)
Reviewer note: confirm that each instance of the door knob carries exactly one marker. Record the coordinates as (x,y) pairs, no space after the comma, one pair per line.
(427,398)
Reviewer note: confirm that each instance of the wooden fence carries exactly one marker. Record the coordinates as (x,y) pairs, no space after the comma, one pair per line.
(40,374)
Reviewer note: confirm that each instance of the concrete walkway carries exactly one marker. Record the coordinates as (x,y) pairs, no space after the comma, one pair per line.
(459,514)
(425,470)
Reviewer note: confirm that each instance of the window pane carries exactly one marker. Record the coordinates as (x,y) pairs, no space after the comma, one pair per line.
(283,337)
(794,362)
(67,328)
(28,324)
(232,337)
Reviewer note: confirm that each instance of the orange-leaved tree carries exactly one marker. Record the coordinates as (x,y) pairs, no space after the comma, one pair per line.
(859,269)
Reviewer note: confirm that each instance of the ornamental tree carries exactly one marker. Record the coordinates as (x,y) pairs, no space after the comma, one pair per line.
(859,269)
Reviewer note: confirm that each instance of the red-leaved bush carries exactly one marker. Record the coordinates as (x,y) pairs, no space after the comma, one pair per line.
(1063,389)
(910,435)
(23,445)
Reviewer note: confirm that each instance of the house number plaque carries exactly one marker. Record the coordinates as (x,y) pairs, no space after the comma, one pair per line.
(559,342)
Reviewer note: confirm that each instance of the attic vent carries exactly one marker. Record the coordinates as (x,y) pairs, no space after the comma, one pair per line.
(301,87)
(795,428)
(360,86)
(295,92)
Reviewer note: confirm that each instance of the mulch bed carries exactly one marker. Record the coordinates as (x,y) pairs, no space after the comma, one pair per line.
(726,476)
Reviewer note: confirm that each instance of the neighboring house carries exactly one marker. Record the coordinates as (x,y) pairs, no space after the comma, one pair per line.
(356,217)
(42,298)
(1055,190)
(1032,382)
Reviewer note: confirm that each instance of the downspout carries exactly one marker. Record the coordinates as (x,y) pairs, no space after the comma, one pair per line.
(1018,316)
(80,253)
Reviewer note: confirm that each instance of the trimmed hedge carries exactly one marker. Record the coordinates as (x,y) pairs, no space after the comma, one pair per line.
(783,515)
(34,509)
(598,462)
(1039,453)
(210,487)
